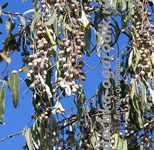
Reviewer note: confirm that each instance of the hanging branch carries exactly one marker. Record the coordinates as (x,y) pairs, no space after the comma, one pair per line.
(11,135)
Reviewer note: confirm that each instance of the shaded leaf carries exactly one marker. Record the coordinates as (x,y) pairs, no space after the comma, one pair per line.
(2,103)
(5,5)
(143,92)
(87,38)
(14,87)
(1,21)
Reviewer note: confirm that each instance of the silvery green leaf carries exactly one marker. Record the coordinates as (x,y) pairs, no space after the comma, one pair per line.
(28,137)
(68,90)
(152,94)
(14,87)
(2,103)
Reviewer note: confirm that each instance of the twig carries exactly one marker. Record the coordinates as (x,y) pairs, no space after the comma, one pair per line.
(4,71)
(124,32)
(16,14)
(11,135)
(92,68)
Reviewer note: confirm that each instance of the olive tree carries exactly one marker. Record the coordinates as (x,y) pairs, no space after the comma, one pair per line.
(55,39)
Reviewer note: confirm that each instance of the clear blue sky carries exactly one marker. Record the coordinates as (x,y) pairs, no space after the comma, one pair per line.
(16,119)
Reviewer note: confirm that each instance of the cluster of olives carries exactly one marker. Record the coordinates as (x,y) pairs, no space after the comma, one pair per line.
(38,61)
(143,39)
(70,60)
(73,6)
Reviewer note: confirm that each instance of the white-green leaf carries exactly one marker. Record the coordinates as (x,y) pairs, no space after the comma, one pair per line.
(123,5)
(152,94)
(0,10)
(84,20)
(2,103)
(8,26)
(114,7)
(14,87)
(28,137)
(130,60)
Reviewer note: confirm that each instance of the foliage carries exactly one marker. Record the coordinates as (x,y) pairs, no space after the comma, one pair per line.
(52,38)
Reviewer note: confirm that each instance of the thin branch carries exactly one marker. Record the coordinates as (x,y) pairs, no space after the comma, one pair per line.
(11,135)
(16,14)
(124,32)
(92,68)
(4,71)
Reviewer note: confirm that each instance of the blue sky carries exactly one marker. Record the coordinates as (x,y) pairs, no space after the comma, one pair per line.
(16,119)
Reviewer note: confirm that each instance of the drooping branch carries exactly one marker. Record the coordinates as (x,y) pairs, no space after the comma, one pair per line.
(16,14)
(11,135)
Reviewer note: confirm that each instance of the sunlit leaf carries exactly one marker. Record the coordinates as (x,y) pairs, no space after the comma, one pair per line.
(28,138)
(5,56)
(123,5)
(50,36)
(8,26)
(68,27)
(86,23)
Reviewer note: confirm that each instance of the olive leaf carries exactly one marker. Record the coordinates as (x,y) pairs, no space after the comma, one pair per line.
(14,87)
(28,138)
(2,103)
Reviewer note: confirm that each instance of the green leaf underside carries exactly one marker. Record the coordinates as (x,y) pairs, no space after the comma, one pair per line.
(14,87)
(2,103)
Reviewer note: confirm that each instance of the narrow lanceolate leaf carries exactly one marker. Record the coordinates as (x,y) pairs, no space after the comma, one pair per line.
(50,36)
(8,26)
(14,87)
(2,102)
(28,138)
(143,92)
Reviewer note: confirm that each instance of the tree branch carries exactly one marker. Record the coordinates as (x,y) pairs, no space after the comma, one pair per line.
(16,14)
(11,135)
